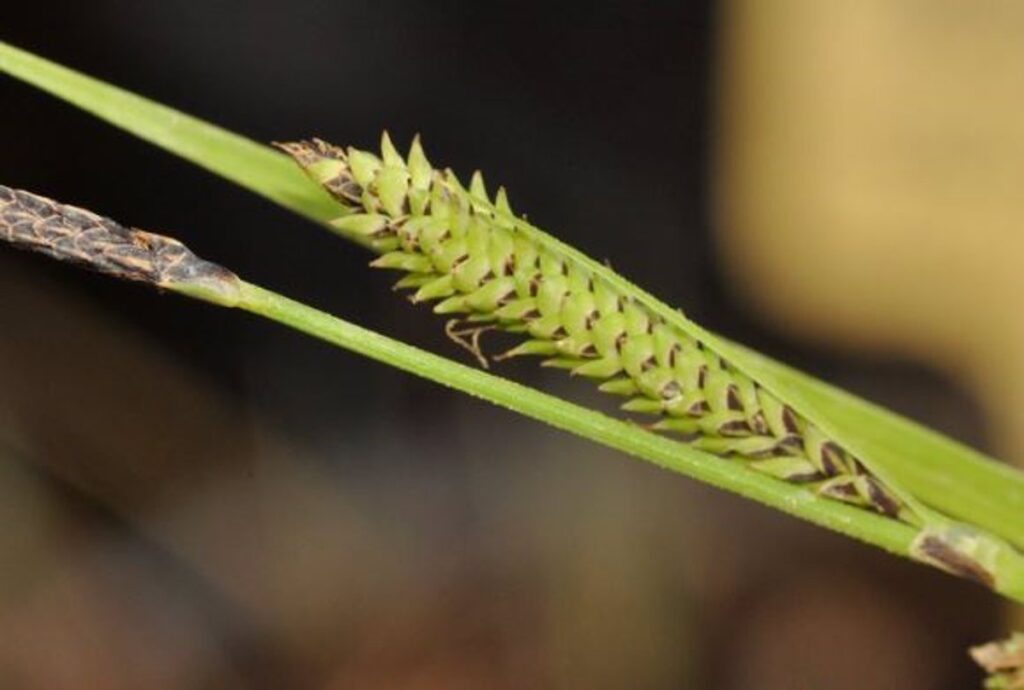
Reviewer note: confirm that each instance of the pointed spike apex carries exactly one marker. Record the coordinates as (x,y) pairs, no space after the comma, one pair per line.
(453,181)
(621,386)
(384,243)
(598,368)
(414,280)
(544,348)
(436,289)
(479,318)
(360,224)
(453,305)
(403,261)
(679,425)
(501,201)
(419,167)
(416,147)
(642,405)
(364,166)
(477,187)
(561,363)
(389,153)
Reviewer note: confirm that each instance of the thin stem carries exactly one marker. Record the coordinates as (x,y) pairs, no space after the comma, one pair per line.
(891,535)
(869,527)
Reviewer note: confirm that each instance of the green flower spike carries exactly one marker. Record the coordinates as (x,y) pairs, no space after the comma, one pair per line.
(464,252)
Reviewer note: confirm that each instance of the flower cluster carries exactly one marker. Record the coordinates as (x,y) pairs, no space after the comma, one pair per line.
(469,255)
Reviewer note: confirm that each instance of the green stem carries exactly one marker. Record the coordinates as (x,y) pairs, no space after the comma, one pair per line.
(672,455)
(891,535)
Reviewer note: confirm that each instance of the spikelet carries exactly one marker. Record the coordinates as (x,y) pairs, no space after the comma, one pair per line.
(462,250)
(1003,661)
(72,234)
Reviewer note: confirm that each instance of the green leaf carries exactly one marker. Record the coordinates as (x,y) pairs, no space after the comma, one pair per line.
(246,163)
(925,467)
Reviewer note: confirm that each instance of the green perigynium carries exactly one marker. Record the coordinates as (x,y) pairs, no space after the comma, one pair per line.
(464,252)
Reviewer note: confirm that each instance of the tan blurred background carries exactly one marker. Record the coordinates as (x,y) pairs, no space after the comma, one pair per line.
(869,184)
(190,499)
(869,170)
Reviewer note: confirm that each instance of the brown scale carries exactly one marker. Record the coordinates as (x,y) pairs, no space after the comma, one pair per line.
(71,234)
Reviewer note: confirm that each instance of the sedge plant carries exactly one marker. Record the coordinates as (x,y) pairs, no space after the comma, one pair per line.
(715,411)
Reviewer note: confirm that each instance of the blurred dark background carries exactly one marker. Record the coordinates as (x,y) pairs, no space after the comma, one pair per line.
(191,498)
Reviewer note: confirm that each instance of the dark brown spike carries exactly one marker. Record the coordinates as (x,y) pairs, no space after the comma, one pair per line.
(309,151)
(72,234)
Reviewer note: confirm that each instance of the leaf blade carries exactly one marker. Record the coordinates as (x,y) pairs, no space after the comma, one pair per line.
(243,161)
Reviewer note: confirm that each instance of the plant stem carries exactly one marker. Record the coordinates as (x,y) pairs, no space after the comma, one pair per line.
(74,235)
(868,527)
(629,438)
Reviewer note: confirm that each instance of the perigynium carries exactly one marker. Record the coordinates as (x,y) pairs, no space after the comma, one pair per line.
(463,252)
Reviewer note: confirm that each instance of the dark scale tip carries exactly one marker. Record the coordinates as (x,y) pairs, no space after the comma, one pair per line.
(671,390)
(699,409)
(734,428)
(831,458)
(790,445)
(789,420)
(884,502)
(937,551)
(733,399)
(306,152)
(841,490)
